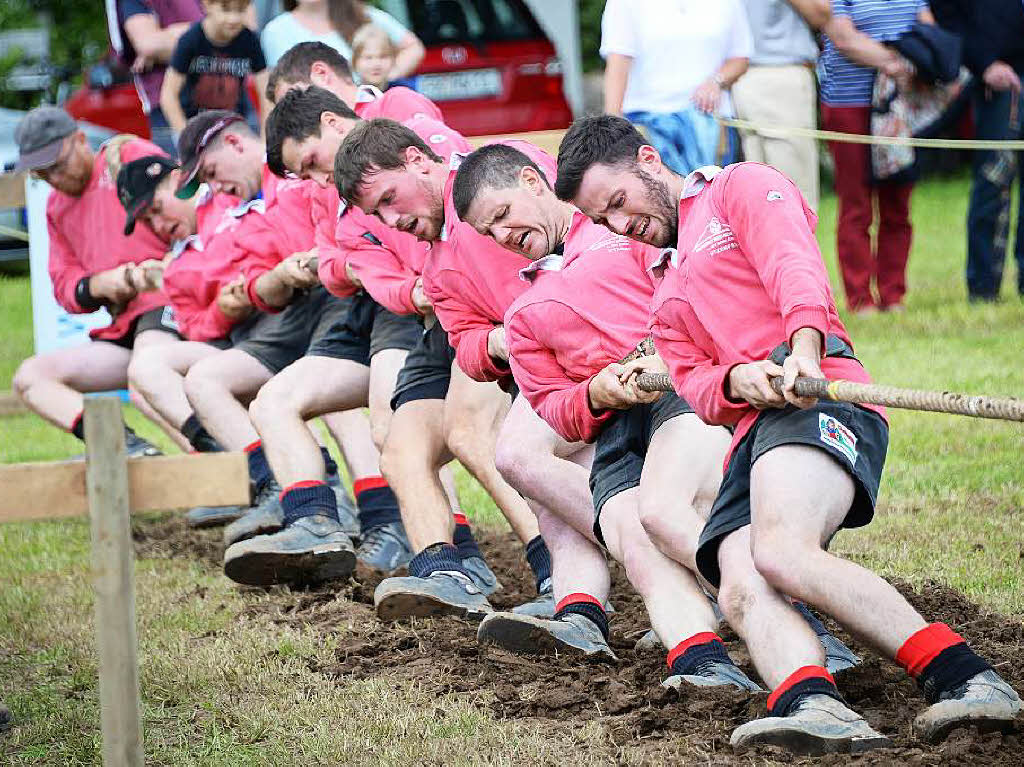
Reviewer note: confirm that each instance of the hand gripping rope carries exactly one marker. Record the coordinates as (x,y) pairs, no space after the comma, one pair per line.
(977,406)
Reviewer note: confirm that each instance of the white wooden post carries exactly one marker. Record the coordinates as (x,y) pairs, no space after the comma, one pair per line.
(114,583)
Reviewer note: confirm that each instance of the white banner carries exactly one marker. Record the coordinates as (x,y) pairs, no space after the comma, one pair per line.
(54,327)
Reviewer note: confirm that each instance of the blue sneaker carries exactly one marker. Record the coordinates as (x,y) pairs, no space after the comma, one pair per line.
(984,701)
(819,724)
(266,516)
(713,674)
(137,447)
(310,550)
(443,592)
(542,605)
(527,634)
(385,548)
(482,575)
(212,516)
(347,515)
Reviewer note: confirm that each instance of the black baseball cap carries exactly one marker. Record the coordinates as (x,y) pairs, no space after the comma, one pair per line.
(137,182)
(199,132)
(40,136)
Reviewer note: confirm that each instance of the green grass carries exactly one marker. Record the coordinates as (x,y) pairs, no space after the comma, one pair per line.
(224,687)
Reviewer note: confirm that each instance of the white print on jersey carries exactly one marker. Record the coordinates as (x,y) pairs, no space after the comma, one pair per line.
(715,238)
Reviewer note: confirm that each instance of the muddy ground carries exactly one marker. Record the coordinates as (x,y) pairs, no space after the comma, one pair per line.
(642,721)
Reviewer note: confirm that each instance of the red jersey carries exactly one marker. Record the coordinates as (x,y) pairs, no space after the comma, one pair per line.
(398,103)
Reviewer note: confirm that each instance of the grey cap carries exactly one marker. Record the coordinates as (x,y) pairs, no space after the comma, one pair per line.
(40,135)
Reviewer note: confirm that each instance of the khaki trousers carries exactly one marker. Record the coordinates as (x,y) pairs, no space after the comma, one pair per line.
(784,96)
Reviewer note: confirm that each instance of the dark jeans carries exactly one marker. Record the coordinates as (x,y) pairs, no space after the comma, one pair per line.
(988,217)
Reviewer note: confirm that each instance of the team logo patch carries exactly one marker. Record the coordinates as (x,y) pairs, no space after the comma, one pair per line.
(154,169)
(774,195)
(837,436)
(438,138)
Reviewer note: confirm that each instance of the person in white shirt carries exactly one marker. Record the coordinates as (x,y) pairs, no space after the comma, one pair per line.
(668,67)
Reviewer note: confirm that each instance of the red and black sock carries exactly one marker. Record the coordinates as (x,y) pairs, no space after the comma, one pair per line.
(463,538)
(198,436)
(330,465)
(587,606)
(377,503)
(437,557)
(808,680)
(689,655)
(259,469)
(77,427)
(539,559)
(939,660)
(307,499)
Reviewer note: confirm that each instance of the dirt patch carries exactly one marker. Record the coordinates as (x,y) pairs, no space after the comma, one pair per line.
(558,695)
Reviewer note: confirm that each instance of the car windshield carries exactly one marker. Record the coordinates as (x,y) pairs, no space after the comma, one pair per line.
(444,22)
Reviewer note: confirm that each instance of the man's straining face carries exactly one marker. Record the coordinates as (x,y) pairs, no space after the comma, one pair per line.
(405,199)
(521,218)
(232,166)
(170,218)
(631,202)
(313,157)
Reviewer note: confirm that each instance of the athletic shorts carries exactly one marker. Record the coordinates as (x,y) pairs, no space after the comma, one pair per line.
(366,329)
(428,369)
(280,339)
(161,318)
(855,437)
(621,448)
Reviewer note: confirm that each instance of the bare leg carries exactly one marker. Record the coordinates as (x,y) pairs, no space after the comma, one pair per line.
(799,497)
(215,387)
(471,430)
(309,387)
(51,384)
(351,431)
(156,377)
(577,565)
(413,453)
(676,605)
(680,480)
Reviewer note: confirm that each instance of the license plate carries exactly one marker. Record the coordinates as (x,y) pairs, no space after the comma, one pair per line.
(470,84)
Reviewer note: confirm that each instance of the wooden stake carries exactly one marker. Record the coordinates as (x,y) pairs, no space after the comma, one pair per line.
(113,581)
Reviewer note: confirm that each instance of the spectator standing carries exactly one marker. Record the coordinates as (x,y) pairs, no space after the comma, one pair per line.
(669,64)
(854,51)
(993,35)
(143,33)
(779,88)
(210,65)
(335,23)
(373,56)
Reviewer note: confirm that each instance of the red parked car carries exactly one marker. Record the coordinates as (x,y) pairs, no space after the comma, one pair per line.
(489,66)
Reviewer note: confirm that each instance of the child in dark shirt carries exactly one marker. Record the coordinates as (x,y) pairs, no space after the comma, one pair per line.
(210,64)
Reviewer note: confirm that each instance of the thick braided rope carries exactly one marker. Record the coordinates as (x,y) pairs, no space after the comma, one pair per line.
(976,406)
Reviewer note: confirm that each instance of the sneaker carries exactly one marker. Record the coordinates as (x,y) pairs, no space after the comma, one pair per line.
(984,701)
(818,725)
(539,636)
(482,575)
(713,674)
(837,655)
(444,592)
(212,516)
(309,550)
(264,517)
(137,447)
(385,548)
(347,515)
(649,642)
(542,605)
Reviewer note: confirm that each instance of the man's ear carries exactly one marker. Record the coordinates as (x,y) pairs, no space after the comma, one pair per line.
(415,158)
(234,141)
(319,74)
(649,159)
(531,180)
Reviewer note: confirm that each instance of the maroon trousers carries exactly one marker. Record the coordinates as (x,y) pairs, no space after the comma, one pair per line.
(859,262)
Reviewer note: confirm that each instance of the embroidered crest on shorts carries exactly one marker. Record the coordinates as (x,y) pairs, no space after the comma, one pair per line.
(835,435)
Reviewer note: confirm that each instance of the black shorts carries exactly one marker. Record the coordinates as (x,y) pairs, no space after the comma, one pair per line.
(428,369)
(161,318)
(277,340)
(855,437)
(366,329)
(621,448)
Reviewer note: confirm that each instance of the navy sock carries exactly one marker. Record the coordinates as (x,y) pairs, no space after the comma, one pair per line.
(78,428)
(809,680)
(539,559)
(463,538)
(587,606)
(259,469)
(689,655)
(330,466)
(198,436)
(307,499)
(377,503)
(950,669)
(439,556)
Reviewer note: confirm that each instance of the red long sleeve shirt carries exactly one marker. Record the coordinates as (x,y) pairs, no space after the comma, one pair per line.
(582,312)
(472,280)
(396,103)
(747,275)
(87,237)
